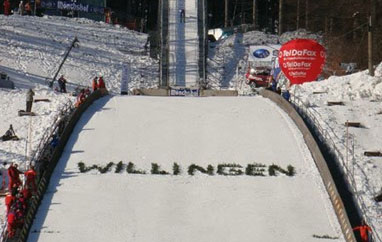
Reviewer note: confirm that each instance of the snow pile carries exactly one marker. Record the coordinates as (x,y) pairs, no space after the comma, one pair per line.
(300,34)
(259,38)
(356,86)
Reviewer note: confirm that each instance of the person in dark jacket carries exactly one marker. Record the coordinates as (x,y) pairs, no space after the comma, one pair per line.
(182,15)
(29,100)
(10,134)
(94,84)
(62,84)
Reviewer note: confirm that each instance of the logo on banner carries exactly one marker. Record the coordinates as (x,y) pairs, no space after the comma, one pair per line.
(302,60)
(261,53)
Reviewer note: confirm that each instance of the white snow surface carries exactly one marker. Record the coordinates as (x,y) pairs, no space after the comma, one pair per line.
(202,131)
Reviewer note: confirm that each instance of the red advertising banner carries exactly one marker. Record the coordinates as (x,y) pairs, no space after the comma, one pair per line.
(301,60)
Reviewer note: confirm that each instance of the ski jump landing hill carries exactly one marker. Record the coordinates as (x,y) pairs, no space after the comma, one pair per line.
(183,40)
(186,169)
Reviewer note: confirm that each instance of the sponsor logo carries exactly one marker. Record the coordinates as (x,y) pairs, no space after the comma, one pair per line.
(297,64)
(261,53)
(297,73)
(72,6)
(294,52)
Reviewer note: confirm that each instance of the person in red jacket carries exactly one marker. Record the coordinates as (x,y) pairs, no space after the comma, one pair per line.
(101,83)
(94,84)
(7,7)
(80,98)
(11,226)
(14,176)
(30,176)
(364,230)
(9,200)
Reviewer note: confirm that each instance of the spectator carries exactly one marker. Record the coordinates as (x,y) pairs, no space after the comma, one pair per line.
(101,83)
(13,176)
(30,176)
(26,193)
(30,95)
(285,93)
(12,223)
(80,98)
(283,86)
(251,77)
(364,230)
(28,8)
(9,200)
(94,84)
(7,7)
(182,15)
(62,84)
(87,92)
(21,8)
(53,142)
(10,134)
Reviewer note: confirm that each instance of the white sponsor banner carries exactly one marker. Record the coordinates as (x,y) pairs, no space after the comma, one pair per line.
(263,55)
(184,92)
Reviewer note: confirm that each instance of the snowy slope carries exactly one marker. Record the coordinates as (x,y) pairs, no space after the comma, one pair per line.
(33,52)
(132,207)
(183,44)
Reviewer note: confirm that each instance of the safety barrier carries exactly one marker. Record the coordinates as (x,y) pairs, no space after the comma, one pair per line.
(46,167)
(319,161)
(327,136)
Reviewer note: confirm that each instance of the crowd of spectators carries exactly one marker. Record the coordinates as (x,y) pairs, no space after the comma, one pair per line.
(17,199)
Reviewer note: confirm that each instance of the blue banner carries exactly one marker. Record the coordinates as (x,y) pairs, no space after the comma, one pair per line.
(72,6)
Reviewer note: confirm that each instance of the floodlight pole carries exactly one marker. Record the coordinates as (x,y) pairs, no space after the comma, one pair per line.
(254,14)
(370,37)
(281,3)
(226,13)
(62,63)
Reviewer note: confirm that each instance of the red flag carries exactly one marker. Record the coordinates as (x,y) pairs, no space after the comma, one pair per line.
(301,60)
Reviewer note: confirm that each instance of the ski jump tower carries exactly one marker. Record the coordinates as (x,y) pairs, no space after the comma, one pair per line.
(183,43)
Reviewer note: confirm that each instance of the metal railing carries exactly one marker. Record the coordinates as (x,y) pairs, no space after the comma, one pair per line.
(66,109)
(328,136)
